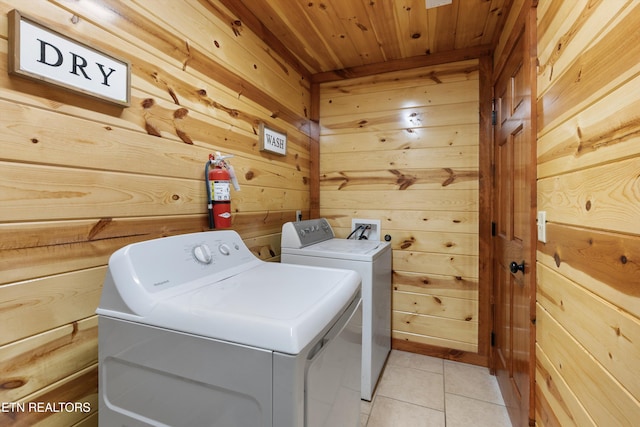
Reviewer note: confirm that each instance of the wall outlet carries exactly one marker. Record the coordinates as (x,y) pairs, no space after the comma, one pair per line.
(542,226)
(298,216)
(372,232)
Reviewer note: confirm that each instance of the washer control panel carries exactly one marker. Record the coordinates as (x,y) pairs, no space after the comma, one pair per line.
(304,233)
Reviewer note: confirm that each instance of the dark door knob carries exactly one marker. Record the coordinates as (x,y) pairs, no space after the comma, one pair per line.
(515,267)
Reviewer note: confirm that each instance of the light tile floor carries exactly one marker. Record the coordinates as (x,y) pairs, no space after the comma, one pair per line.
(423,391)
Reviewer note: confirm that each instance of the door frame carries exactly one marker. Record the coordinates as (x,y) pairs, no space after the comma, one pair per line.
(527,19)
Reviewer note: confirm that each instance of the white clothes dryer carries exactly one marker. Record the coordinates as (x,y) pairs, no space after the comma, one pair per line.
(312,242)
(194,331)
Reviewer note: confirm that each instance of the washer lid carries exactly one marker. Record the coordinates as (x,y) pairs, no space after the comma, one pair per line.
(280,307)
(355,250)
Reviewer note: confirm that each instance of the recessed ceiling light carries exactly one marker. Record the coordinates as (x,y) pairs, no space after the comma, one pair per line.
(435,3)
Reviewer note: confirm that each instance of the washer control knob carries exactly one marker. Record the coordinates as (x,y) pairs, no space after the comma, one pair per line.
(202,254)
(224,249)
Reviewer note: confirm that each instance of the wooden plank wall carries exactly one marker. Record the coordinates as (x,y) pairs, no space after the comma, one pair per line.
(80,179)
(588,299)
(402,147)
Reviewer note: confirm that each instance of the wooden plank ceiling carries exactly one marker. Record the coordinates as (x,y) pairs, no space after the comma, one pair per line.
(344,38)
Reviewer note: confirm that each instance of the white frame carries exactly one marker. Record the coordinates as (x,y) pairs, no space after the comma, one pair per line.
(273,141)
(113,86)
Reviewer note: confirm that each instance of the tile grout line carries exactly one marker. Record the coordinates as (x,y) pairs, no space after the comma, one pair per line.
(476,399)
(444,391)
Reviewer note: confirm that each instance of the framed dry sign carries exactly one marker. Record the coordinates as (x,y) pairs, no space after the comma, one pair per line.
(272,140)
(42,54)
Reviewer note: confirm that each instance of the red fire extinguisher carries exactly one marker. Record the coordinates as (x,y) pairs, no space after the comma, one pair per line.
(218,181)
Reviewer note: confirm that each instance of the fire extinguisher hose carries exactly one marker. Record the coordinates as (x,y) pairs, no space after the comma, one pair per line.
(209,203)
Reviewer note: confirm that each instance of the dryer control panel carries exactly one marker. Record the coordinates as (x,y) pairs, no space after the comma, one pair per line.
(304,233)
(143,273)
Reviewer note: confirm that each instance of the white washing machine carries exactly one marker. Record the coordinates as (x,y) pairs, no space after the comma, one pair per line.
(195,331)
(313,242)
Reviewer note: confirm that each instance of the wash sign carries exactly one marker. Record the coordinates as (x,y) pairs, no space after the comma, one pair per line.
(39,53)
(272,140)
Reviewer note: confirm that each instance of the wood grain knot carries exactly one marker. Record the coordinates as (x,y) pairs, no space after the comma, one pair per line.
(434,77)
(184,137)
(147,103)
(12,384)
(151,130)
(451,177)
(588,205)
(406,243)
(173,96)
(100,225)
(180,113)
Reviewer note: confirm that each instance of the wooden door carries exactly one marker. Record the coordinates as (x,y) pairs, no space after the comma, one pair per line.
(514,260)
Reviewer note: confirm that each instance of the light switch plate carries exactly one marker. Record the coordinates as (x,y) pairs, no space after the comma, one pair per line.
(542,226)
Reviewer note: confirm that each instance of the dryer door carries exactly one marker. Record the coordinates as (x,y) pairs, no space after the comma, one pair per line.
(156,377)
(332,389)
